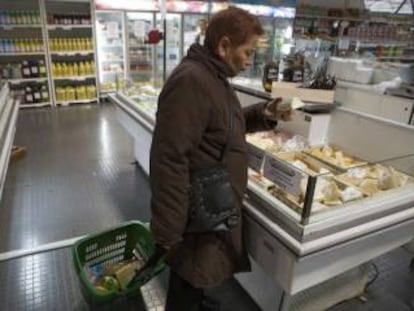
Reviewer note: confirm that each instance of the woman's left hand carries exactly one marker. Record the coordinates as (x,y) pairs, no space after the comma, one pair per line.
(278,110)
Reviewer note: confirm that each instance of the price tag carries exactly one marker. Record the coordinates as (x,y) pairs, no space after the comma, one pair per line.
(255,157)
(112,31)
(282,174)
(139,29)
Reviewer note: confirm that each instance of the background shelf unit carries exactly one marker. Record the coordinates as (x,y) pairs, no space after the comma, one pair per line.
(23,54)
(71,37)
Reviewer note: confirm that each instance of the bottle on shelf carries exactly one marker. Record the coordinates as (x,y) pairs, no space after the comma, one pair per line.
(17,71)
(29,95)
(6,72)
(37,95)
(42,69)
(45,94)
(25,70)
(34,69)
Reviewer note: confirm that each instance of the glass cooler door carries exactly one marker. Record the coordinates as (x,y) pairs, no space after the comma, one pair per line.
(140,58)
(173,44)
(110,43)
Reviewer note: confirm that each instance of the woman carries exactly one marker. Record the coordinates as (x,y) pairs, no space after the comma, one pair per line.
(191,131)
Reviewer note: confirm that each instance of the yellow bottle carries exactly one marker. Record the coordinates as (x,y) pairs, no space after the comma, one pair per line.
(59,95)
(75,69)
(92,64)
(72,92)
(81,68)
(64,72)
(69,69)
(87,68)
(91,92)
(58,45)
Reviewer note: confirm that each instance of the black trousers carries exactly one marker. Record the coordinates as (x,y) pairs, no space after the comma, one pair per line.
(182,296)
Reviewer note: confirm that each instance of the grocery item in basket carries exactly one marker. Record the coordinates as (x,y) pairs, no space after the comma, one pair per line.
(110,283)
(114,276)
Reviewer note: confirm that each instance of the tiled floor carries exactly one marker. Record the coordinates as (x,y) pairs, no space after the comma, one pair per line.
(78,178)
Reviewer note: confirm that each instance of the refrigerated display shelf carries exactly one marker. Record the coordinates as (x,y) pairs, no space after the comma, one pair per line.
(143,72)
(72,53)
(112,46)
(78,101)
(112,60)
(7,27)
(354,19)
(22,54)
(68,27)
(410,58)
(111,72)
(23,106)
(17,81)
(76,78)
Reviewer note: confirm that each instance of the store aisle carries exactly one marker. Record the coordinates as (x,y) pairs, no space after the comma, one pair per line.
(77,177)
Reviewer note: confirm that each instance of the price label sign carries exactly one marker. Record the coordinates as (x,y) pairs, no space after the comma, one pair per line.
(112,31)
(139,29)
(281,174)
(255,157)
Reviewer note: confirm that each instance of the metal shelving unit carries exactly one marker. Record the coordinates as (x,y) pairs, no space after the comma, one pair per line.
(23,56)
(110,40)
(71,42)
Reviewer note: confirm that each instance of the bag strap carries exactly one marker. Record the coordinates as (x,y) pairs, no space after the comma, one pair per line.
(229,132)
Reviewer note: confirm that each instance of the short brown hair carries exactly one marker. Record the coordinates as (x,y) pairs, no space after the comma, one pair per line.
(235,23)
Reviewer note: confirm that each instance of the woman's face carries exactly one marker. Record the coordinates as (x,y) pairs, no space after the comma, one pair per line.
(238,58)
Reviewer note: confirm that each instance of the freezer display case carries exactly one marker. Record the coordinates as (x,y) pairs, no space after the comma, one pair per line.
(173,53)
(140,60)
(313,182)
(264,50)
(110,45)
(191,29)
(9,109)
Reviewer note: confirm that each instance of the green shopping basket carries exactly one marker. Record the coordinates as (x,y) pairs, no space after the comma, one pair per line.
(112,246)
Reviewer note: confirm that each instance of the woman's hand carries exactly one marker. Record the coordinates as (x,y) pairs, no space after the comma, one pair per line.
(279,110)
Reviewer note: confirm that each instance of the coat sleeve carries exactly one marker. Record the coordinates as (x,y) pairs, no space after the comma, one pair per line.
(255,118)
(182,116)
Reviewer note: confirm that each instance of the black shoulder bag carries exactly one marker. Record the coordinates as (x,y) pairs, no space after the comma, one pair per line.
(212,204)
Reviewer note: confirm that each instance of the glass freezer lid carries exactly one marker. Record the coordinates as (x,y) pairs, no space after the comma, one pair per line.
(317,182)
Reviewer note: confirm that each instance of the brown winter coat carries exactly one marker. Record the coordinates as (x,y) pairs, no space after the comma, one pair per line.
(191,128)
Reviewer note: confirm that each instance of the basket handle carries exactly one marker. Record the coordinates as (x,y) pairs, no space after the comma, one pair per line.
(150,265)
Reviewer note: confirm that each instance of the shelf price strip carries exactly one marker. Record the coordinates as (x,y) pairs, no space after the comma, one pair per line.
(255,157)
(281,174)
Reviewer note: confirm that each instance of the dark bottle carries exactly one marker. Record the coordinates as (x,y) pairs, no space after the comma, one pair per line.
(28,95)
(270,75)
(37,95)
(26,70)
(34,69)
